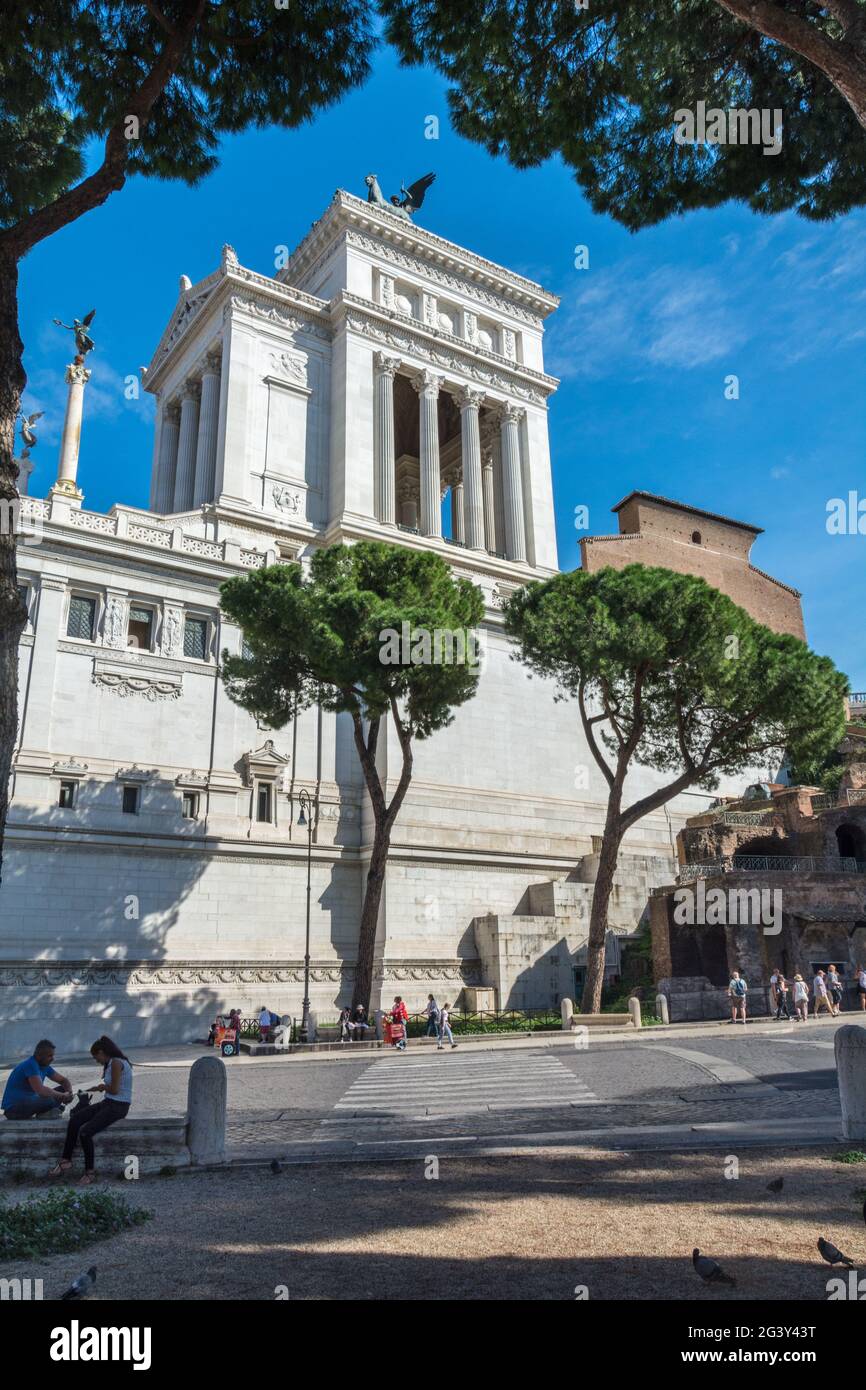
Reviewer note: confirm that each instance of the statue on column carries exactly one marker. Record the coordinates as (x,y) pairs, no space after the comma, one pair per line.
(28,434)
(83,341)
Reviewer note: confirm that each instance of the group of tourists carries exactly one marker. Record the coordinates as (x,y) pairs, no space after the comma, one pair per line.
(355,1025)
(28,1096)
(826,994)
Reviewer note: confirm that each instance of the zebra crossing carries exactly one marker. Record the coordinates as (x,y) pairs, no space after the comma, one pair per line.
(457,1084)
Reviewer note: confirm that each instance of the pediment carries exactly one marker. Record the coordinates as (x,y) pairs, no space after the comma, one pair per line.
(264,762)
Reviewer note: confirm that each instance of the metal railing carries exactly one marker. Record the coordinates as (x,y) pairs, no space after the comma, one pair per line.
(851,796)
(740,817)
(772,863)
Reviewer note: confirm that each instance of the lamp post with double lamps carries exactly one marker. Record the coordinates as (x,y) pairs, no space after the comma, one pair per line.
(306,818)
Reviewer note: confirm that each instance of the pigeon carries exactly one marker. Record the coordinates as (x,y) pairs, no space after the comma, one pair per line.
(82,1286)
(276,1166)
(776,1185)
(710,1272)
(832,1255)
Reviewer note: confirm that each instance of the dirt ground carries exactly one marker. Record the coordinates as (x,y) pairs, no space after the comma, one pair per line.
(539,1227)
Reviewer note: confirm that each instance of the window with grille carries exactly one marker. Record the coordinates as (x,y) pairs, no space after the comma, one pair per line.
(139,632)
(246,650)
(195,638)
(82,617)
(130,800)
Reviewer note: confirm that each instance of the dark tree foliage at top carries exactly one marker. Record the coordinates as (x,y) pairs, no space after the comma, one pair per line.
(599,87)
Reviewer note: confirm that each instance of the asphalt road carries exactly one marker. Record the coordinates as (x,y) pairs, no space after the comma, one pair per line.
(649,1082)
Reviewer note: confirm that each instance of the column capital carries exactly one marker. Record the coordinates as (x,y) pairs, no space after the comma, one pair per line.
(191,389)
(470,398)
(76,374)
(428,381)
(172,410)
(386,365)
(512,413)
(213,361)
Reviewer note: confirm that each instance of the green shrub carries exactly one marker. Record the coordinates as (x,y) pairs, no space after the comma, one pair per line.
(849,1156)
(65,1220)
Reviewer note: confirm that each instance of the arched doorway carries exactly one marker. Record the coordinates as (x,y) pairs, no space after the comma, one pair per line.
(851,841)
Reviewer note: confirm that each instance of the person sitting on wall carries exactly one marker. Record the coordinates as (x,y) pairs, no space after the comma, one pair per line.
(26,1096)
(359,1024)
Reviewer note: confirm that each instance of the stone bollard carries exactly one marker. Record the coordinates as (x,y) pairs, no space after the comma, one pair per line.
(567,1008)
(312,1026)
(662,1010)
(378,1016)
(634,1010)
(851,1068)
(206,1111)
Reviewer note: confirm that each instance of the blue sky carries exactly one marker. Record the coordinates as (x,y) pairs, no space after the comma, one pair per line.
(643,340)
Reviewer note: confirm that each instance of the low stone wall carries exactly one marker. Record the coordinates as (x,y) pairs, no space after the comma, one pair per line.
(33,1146)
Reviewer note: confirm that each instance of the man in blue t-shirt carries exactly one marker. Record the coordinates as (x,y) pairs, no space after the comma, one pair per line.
(26,1094)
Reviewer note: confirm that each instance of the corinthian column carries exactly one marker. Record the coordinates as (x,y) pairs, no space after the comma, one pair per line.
(186,448)
(386,369)
(77,377)
(208,425)
(512,483)
(168,438)
(487,492)
(427,385)
(458,530)
(470,438)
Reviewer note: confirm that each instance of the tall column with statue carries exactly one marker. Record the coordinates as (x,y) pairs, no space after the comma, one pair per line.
(76,378)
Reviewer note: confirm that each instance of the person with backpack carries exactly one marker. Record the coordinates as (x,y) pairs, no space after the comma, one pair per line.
(822,995)
(737,990)
(432,1012)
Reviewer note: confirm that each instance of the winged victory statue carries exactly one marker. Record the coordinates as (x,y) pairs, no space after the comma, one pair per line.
(410,200)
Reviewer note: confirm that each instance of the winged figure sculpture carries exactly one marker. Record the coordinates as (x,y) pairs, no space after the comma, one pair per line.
(410,198)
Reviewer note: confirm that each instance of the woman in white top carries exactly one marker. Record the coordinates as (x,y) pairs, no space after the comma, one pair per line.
(801,998)
(84,1122)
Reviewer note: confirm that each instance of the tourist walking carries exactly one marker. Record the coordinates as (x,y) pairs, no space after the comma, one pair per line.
(774,1002)
(431,1009)
(781,997)
(400,1015)
(737,990)
(861,985)
(85,1122)
(822,995)
(834,985)
(26,1096)
(445,1027)
(801,998)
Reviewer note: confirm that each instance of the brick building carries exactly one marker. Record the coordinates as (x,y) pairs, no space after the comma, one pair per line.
(657,531)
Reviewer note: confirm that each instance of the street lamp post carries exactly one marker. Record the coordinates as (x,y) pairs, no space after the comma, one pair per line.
(306,818)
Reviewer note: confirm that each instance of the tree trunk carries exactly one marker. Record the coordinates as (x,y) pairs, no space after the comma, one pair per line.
(12,614)
(591,1001)
(370,916)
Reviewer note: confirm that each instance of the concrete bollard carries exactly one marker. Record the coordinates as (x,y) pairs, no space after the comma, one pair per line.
(312,1026)
(206,1111)
(378,1016)
(634,1010)
(567,1009)
(851,1069)
(662,1010)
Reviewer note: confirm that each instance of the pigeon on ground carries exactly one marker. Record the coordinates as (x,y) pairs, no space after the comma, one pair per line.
(710,1272)
(832,1255)
(82,1287)
(776,1185)
(276,1166)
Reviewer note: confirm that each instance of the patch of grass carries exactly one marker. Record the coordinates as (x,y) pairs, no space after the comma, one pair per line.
(849,1156)
(62,1221)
